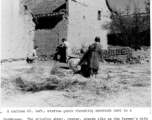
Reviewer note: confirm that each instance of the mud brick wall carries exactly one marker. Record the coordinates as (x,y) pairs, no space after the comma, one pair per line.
(111,54)
(49,39)
(84,25)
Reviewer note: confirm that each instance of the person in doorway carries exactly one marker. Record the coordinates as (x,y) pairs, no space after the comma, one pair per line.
(92,57)
(32,56)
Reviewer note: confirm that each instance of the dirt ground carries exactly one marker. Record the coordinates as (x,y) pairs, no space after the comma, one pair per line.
(117,85)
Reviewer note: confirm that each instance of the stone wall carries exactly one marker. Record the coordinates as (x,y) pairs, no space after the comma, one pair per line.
(84,25)
(17,30)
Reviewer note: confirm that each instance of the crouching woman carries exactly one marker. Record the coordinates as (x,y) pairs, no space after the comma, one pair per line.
(32,56)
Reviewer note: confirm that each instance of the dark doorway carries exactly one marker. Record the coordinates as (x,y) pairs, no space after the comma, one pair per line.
(47,22)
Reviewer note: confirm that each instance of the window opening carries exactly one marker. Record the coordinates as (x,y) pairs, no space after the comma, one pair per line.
(99,15)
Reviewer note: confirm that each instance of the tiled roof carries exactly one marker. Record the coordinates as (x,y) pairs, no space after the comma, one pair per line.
(43,6)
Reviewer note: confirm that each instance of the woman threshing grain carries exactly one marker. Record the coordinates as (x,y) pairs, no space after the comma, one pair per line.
(62,51)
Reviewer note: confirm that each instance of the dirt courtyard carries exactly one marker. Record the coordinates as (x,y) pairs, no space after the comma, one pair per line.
(117,85)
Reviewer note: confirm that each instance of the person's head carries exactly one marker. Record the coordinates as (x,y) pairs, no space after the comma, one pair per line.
(63,39)
(36,47)
(97,39)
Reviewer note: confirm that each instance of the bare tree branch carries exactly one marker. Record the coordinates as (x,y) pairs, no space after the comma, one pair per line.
(128,27)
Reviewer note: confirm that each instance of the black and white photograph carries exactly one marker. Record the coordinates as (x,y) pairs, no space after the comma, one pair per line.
(75,53)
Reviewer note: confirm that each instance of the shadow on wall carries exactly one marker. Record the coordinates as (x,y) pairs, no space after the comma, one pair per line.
(47,22)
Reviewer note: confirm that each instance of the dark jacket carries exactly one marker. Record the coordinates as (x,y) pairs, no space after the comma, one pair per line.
(94,54)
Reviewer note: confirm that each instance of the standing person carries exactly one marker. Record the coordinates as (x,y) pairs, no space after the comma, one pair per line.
(32,56)
(92,57)
(66,46)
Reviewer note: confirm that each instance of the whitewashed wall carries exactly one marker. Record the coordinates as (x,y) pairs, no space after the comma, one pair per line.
(17,30)
(83,24)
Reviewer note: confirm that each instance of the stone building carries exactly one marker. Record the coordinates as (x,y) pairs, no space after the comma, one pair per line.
(26,23)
